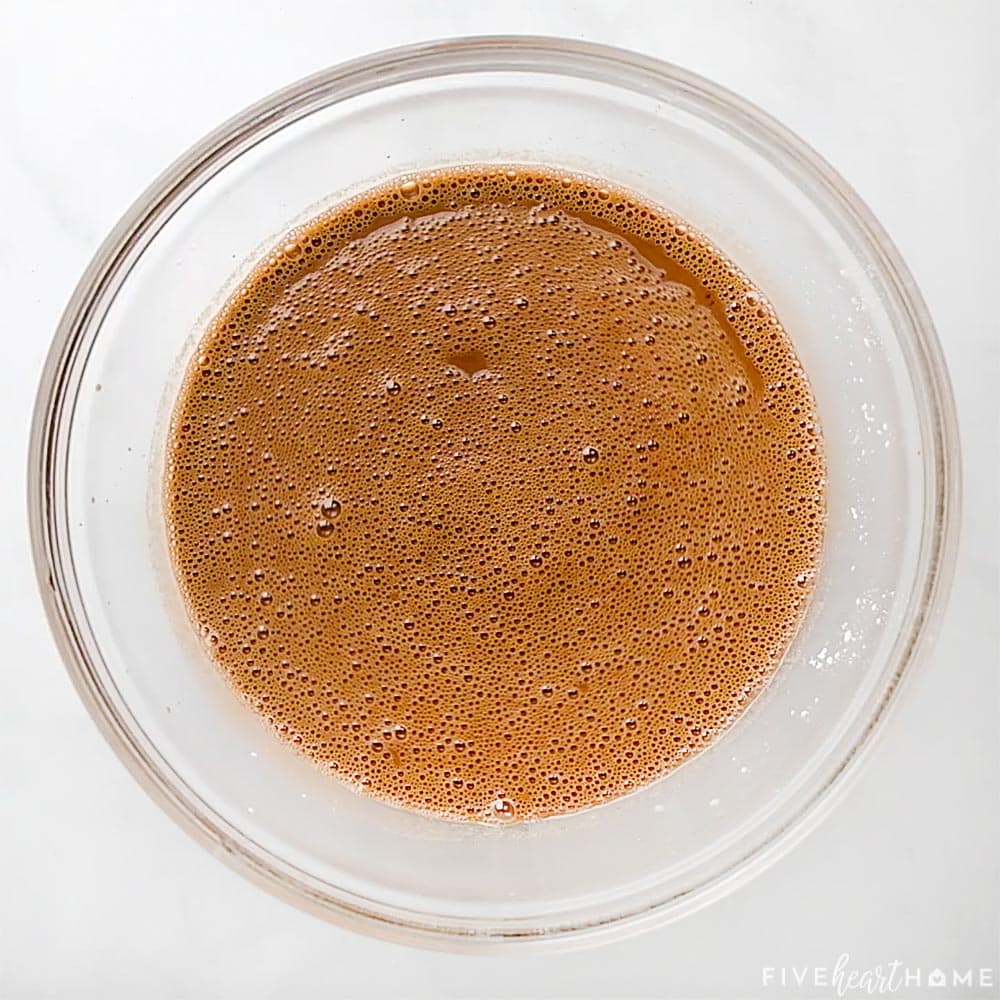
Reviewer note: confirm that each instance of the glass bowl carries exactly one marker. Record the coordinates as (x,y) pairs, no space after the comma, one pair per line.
(771,204)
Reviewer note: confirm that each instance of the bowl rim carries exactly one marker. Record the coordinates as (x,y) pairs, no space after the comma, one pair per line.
(108,270)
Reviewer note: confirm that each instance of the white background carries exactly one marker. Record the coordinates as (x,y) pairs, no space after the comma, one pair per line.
(102,896)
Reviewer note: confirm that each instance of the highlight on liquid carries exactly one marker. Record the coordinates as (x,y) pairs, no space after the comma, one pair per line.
(497,492)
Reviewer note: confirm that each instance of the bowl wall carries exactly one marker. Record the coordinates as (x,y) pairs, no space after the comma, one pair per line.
(850,310)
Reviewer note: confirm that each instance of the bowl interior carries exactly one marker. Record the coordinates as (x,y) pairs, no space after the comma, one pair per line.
(678,143)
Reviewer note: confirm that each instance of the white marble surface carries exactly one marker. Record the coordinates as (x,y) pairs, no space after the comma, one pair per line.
(103,897)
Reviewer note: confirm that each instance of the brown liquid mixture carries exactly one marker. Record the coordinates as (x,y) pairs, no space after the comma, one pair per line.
(498,493)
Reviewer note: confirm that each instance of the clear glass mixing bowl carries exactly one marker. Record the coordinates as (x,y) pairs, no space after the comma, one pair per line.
(771,204)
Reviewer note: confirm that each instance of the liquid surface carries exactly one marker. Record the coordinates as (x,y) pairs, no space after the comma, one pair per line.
(497,493)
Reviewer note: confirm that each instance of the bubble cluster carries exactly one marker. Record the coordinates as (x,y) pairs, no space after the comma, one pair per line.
(497,492)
